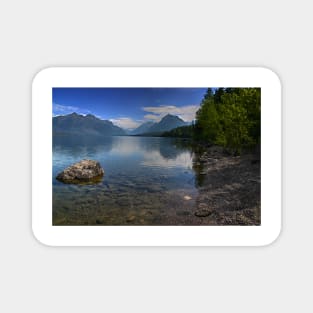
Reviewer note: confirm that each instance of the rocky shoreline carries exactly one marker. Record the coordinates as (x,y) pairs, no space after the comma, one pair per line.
(226,191)
(229,188)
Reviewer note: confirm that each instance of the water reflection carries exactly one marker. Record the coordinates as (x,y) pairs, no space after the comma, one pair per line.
(144,151)
(133,145)
(145,181)
(155,151)
(155,158)
(82,141)
(198,168)
(122,154)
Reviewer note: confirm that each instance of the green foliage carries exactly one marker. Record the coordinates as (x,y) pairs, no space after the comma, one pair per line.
(180,132)
(230,117)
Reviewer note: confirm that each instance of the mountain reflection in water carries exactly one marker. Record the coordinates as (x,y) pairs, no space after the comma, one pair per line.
(146,182)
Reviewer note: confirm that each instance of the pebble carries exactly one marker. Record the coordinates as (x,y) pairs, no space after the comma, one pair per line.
(203,212)
(203,206)
(131,219)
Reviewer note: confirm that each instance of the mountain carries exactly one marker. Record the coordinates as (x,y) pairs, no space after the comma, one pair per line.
(168,122)
(76,124)
(143,128)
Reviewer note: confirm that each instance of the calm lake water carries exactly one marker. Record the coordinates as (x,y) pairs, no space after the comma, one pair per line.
(147,181)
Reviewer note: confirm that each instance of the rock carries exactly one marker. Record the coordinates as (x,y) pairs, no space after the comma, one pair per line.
(83,171)
(131,219)
(203,210)
(202,206)
(187,198)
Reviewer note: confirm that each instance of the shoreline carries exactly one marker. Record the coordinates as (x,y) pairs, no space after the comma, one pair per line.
(229,187)
(227,192)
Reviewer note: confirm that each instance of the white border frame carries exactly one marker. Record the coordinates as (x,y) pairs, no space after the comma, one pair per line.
(48,78)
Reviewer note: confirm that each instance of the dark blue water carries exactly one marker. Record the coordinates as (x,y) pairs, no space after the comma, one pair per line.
(147,181)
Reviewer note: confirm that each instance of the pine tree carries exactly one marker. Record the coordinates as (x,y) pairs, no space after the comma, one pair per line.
(230,117)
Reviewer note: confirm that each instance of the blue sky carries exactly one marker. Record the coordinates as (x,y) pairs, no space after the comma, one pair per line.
(128,107)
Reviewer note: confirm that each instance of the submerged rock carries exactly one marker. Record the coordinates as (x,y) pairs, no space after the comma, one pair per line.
(203,210)
(203,213)
(85,171)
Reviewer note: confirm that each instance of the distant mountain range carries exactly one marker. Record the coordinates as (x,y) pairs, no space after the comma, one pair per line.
(143,128)
(168,122)
(76,124)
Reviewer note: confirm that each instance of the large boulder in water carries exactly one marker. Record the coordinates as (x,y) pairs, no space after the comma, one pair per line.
(85,171)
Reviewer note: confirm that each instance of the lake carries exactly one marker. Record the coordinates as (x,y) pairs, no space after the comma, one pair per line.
(147,181)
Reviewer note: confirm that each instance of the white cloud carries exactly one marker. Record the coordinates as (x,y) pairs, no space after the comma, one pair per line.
(187,113)
(59,109)
(125,122)
(154,158)
(63,109)
(152,117)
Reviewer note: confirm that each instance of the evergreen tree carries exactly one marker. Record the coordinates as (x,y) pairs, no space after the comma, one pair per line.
(230,117)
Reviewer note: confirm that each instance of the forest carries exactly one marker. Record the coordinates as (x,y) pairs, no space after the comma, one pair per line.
(228,117)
